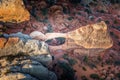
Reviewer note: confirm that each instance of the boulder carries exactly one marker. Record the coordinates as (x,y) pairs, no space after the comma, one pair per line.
(37,35)
(13,11)
(42,5)
(39,71)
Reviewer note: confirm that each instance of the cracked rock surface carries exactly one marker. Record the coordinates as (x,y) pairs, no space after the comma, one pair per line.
(22,58)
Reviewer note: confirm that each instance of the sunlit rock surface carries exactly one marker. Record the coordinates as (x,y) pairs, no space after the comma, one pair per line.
(24,58)
(39,71)
(37,35)
(89,36)
(2,42)
(17,76)
(13,11)
(22,44)
(92,38)
(25,69)
(14,44)
(73,17)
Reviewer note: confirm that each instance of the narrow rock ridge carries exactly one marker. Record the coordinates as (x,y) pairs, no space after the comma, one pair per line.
(89,36)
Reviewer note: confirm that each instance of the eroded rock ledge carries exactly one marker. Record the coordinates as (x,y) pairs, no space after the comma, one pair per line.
(22,58)
(15,44)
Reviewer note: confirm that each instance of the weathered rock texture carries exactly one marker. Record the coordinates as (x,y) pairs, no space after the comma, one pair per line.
(15,44)
(92,38)
(22,58)
(17,76)
(2,42)
(13,11)
(25,69)
(31,47)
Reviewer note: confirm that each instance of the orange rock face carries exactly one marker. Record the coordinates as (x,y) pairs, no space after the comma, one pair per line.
(13,11)
(2,42)
(11,41)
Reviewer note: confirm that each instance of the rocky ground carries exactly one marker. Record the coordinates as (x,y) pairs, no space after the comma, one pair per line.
(32,59)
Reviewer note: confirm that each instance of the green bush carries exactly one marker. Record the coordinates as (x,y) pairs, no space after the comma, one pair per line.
(84,68)
(84,78)
(94,76)
(118,75)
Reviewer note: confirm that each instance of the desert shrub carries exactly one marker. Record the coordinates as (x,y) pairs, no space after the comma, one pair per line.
(94,76)
(49,28)
(51,2)
(118,75)
(70,18)
(68,71)
(111,33)
(44,11)
(85,59)
(114,1)
(84,78)
(66,10)
(107,22)
(75,1)
(84,68)
(119,43)
(117,63)
(70,60)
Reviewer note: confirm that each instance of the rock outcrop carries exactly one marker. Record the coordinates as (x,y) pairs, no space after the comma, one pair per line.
(23,58)
(16,44)
(89,36)
(13,11)
(92,38)
(26,69)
